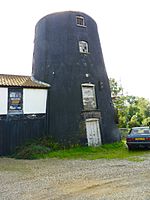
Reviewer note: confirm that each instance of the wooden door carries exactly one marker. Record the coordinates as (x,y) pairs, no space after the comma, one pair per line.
(93,132)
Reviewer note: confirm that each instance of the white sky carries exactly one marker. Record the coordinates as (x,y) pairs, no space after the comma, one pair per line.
(124,31)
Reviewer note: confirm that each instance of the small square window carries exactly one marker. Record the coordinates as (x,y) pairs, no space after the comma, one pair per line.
(83,47)
(80,21)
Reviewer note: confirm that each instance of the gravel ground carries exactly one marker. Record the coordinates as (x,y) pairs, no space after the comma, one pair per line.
(54,179)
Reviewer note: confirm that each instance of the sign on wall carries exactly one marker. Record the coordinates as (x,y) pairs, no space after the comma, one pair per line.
(15,100)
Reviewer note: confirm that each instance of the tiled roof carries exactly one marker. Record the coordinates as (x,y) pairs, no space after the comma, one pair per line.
(20,81)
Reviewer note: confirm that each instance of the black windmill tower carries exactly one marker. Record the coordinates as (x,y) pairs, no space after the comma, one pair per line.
(68,56)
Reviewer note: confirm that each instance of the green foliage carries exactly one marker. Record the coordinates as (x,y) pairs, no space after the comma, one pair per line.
(116,150)
(30,151)
(115,88)
(37,150)
(135,120)
(146,121)
(132,111)
(36,147)
(49,142)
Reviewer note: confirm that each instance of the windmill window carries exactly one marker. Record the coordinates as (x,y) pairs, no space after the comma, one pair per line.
(88,96)
(80,21)
(15,101)
(83,47)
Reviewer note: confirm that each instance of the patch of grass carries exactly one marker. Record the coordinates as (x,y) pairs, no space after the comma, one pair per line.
(107,151)
(46,148)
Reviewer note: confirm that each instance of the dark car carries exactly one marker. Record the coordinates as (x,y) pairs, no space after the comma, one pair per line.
(138,137)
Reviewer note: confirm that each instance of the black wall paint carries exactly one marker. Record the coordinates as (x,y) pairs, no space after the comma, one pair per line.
(57,61)
(15,130)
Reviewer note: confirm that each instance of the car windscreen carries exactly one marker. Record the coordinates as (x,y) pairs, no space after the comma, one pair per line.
(140,131)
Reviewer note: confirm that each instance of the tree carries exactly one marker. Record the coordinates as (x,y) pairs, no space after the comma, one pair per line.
(146,121)
(132,110)
(116,90)
(119,101)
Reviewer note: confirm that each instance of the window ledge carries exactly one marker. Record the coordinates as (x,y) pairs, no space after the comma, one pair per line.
(81,25)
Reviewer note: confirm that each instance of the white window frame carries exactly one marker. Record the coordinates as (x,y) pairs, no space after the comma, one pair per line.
(83,47)
(93,97)
(82,19)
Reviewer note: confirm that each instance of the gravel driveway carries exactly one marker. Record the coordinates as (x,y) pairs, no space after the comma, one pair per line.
(54,179)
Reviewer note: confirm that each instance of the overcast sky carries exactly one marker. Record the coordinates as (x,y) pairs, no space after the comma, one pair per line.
(124,31)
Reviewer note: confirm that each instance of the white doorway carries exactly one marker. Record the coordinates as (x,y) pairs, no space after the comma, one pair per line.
(93,132)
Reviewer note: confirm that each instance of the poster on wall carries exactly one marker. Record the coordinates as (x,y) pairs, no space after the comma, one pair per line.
(15,100)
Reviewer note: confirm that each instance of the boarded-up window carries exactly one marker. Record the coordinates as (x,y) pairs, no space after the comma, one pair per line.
(15,104)
(88,96)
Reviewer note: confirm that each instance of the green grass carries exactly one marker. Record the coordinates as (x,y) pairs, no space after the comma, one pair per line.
(107,151)
(46,148)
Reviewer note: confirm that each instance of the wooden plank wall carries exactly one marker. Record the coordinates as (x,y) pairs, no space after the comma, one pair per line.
(16,130)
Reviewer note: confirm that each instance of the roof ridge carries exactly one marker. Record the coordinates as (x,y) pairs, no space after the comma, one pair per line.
(15,75)
(7,80)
